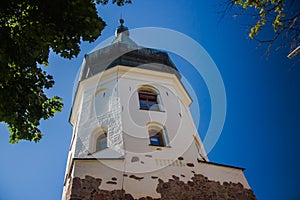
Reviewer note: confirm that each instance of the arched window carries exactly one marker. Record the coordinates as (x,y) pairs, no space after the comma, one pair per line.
(101,141)
(157,135)
(148,98)
(98,139)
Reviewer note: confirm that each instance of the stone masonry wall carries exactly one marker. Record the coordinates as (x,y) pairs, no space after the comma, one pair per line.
(199,188)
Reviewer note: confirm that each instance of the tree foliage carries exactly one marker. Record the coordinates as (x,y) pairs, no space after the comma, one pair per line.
(282,15)
(28,30)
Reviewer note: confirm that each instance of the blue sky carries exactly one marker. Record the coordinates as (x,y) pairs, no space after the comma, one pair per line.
(261,131)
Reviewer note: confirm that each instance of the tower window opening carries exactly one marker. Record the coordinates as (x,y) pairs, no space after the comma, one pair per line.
(101,142)
(148,99)
(157,135)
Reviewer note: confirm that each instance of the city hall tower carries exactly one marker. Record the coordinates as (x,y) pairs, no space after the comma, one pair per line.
(133,133)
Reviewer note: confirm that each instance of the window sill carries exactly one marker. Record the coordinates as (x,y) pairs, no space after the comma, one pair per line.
(157,146)
(97,151)
(152,110)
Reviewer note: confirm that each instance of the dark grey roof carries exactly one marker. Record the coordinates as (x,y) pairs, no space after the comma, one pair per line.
(124,51)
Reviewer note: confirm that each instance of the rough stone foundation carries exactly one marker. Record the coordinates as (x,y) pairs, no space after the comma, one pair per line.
(199,188)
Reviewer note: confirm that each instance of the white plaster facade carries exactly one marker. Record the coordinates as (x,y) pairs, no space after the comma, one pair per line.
(109,101)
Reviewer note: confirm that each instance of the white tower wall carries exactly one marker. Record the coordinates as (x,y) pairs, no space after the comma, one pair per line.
(111,155)
(110,100)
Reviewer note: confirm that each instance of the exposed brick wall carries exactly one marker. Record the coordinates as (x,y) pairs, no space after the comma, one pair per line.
(199,188)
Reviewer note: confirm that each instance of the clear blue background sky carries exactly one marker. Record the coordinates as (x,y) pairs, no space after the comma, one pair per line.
(261,132)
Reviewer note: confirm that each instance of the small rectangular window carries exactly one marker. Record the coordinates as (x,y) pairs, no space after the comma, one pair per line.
(148,101)
(101,142)
(156,137)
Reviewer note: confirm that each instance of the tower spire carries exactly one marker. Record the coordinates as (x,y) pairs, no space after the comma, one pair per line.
(122,35)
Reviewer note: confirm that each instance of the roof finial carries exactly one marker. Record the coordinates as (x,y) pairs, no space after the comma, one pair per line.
(121,21)
(122,28)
